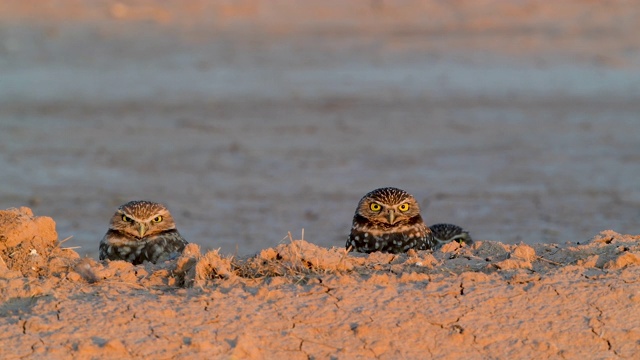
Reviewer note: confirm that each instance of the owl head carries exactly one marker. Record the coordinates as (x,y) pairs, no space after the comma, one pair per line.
(389,206)
(142,218)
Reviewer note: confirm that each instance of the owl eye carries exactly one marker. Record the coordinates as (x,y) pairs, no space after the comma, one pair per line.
(157,219)
(126,218)
(375,207)
(403,207)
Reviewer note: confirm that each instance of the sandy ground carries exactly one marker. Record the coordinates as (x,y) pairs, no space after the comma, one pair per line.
(516,120)
(484,301)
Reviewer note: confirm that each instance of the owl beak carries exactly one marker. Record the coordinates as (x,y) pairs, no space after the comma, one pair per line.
(392,216)
(142,230)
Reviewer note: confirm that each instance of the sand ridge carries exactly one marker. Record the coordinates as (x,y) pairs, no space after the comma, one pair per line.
(299,300)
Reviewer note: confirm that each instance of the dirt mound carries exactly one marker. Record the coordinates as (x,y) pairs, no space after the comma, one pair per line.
(29,244)
(299,300)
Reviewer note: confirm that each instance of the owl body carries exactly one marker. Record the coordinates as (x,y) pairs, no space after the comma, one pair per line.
(141,231)
(388,220)
(445,233)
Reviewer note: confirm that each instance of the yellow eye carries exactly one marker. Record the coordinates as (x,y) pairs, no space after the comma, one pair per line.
(375,207)
(157,219)
(126,218)
(404,207)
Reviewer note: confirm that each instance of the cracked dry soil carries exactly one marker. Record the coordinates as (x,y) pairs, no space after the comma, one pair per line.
(298,300)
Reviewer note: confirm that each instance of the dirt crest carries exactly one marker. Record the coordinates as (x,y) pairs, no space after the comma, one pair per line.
(298,300)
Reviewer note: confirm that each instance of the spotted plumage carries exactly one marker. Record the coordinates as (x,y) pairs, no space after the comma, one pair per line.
(445,233)
(141,231)
(388,220)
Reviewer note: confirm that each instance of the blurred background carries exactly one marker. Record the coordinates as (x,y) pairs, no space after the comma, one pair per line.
(519,120)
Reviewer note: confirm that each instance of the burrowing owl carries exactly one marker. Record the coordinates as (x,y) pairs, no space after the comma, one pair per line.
(388,220)
(141,231)
(445,233)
